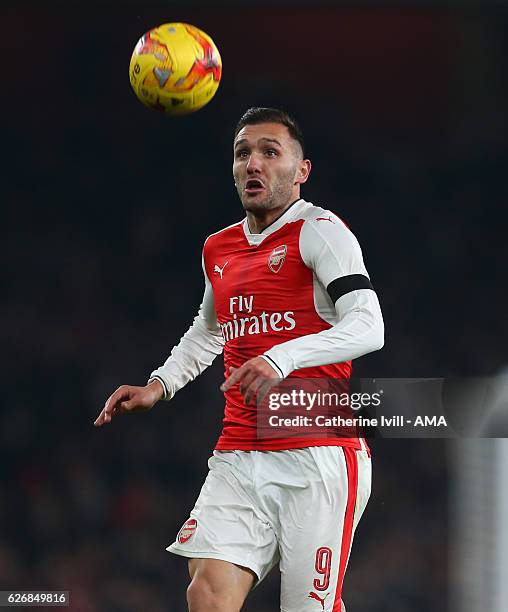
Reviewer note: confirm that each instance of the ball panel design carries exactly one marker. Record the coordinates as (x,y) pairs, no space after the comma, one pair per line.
(175,68)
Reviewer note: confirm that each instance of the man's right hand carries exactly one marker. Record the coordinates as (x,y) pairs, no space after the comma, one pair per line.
(130,399)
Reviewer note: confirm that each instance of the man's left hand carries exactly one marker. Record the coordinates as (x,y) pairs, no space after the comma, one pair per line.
(252,376)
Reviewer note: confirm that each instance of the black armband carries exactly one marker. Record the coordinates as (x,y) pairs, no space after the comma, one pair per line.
(345,284)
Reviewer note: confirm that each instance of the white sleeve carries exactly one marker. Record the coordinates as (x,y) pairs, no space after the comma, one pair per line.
(331,250)
(196,350)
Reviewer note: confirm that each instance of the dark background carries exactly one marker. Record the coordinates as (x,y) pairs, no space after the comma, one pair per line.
(105,208)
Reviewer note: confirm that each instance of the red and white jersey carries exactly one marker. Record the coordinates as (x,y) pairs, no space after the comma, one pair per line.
(297,294)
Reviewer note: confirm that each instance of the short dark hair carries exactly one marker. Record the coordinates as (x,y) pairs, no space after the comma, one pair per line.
(259,114)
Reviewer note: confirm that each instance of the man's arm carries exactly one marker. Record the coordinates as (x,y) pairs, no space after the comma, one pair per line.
(359,331)
(195,352)
(333,253)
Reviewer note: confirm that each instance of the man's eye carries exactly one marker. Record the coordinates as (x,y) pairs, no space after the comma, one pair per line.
(271,153)
(242,153)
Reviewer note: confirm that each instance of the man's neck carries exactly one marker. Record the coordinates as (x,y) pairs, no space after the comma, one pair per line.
(257,223)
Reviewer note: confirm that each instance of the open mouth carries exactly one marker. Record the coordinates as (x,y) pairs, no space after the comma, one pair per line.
(254,186)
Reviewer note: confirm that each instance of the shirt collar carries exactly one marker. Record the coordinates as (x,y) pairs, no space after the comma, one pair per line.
(291,213)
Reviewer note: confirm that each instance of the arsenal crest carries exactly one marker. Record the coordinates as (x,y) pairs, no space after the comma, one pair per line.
(187,531)
(277,258)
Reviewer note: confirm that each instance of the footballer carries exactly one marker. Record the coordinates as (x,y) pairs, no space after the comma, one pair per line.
(287,295)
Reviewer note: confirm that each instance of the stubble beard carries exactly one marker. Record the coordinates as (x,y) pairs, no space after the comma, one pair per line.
(279,197)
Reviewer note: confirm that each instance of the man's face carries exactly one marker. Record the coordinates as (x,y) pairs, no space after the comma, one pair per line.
(267,167)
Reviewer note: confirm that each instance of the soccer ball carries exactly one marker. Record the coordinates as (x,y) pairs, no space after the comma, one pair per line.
(175,68)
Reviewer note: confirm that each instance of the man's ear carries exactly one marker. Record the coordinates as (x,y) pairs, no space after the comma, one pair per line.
(303,171)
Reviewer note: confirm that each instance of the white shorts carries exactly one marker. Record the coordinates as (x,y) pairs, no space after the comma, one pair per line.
(298,507)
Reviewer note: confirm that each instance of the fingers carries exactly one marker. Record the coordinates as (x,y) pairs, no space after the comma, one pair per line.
(101,419)
(264,388)
(126,406)
(245,375)
(117,402)
(248,382)
(235,375)
(251,375)
(258,388)
(252,389)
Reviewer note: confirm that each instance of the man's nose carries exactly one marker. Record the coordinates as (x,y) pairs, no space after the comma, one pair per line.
(254,163)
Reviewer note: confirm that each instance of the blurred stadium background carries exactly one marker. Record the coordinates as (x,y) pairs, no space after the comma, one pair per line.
(105,209)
